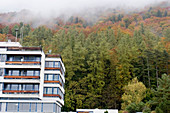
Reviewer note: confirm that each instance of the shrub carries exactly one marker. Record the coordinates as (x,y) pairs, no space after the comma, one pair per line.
(133,108)
(158,110)
(146,110)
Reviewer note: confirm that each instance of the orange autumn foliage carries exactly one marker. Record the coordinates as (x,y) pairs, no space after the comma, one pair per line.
(2,37)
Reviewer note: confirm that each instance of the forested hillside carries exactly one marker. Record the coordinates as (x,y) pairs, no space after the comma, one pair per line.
(103,59)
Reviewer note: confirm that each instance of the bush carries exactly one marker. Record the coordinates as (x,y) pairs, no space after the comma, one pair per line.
(124,112)
(146,110)
(133,108)
(120,111)
(158,110)
(140,106)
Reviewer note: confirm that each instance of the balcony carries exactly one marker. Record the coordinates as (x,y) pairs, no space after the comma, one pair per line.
(19,92)
(22,74)
(55,69)
(22,63)
(21,77)
(52,82)
(52,95)
(21,88)
(23,60)
(54,65)
(24,49)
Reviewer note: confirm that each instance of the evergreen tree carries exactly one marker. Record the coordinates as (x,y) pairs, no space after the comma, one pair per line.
(161,95)
(159,13)
(5,30)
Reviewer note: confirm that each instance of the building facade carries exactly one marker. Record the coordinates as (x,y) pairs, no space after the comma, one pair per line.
(97,110)
(30,81)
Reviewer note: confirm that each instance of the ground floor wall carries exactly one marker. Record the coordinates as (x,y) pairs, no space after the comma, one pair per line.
(29,107)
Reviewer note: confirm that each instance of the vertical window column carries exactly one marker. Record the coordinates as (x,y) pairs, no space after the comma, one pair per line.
(1,71)
(2,58)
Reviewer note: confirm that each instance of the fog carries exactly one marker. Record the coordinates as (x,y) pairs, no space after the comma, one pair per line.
(43,10)
(48,6)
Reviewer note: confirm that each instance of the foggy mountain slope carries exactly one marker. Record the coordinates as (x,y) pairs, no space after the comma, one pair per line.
(90,15)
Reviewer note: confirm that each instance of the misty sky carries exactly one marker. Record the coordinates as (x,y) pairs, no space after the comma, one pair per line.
(63,5)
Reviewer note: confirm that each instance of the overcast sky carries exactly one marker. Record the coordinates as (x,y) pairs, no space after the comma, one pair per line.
(60,5)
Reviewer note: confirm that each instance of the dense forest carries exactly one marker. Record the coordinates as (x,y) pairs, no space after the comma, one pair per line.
(119,62)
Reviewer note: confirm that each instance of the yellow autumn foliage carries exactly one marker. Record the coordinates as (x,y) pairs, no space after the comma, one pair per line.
(134,93)
(2,37)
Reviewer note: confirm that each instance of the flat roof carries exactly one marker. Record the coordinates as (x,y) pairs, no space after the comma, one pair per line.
(10,44)
(24,48)
(52,55)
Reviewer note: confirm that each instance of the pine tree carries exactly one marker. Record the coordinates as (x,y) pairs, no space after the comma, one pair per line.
(161,94)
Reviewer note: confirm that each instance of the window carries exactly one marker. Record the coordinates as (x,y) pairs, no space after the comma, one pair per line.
(48,64)
(14,87)
(56,77)
(1,72)
(0,106)
(47,107)
(17,58)
(50,77)
(23,72)
(46,77)
(52,64)
(39,107)
(2,58)
(55,91)
(37,73)
(45,90)
(22,58)
(30,73)
(38,59)
(12,107)
(49,91)
(33,107)
(36,87)
(24,107)
(29,58)
(56,64)
(20,87)
(10,58)
(29,87)
(7,87)
(9,72)
(15,72)
(53,77)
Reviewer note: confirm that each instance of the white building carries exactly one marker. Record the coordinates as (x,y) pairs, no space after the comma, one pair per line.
(30,81)
(94,111)
(97,110)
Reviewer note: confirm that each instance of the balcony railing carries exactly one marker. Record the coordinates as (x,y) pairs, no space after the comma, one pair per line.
(46,81)
(54,68)
(52,95)
(20,77)
(24,49)
(23,63)
(19,92)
